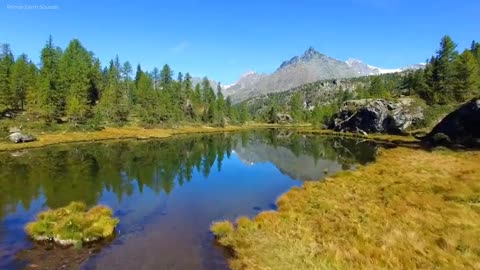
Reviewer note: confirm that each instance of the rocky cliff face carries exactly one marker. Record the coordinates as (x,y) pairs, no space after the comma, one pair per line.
(377,116)
(461,127)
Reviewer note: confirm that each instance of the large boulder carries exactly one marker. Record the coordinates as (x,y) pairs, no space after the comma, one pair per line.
(18,137)
(283,118)
(377,116)
(460,127)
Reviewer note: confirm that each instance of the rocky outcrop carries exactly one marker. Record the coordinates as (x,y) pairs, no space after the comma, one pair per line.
(283,118)
(18,137)
(460,127)
(377,116)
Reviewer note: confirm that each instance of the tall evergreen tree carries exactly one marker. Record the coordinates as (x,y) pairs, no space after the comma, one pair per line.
(296,106)
(166,76)
(75,81)
(188,86)
(156,78)
(444,69)
(147,100)
(220,103)
(208,95)
(96,81)
(115,102)
(138,74)
(377,88)
(467,81)
(22,79)
(244,115)
(228,108)
(7,98)
(46,100)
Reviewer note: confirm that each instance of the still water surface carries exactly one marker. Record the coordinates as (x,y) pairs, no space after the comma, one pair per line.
(166,193)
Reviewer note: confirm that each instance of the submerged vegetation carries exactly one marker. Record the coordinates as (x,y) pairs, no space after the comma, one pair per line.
(73,224)
(411,209)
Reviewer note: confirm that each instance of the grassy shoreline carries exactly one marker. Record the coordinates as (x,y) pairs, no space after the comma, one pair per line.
(134,132)
(410,209)
(110,133)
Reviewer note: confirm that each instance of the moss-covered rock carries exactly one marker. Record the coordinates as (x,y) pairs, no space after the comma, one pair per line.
(73,224)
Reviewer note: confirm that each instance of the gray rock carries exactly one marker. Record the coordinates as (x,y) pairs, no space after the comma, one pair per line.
(283,118)
(18,137)
(14,130)
(377,116)
(460,127)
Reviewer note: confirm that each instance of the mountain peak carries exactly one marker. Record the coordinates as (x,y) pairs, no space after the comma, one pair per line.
(310,53)
(247,73)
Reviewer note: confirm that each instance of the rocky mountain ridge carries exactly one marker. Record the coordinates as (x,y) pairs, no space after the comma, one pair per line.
(310,67)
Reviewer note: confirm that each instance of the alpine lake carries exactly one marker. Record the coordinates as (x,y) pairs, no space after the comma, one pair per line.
(165,192)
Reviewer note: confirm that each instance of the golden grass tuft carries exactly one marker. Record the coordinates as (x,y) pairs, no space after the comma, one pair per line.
(222,228)
(73,224)
(412,209)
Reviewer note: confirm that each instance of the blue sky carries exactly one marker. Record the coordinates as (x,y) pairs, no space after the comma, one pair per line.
(223,39)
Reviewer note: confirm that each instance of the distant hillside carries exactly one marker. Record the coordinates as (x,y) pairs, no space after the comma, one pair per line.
(320,92)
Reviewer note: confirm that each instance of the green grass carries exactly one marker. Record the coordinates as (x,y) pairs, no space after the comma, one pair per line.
(73,224)
(412,209)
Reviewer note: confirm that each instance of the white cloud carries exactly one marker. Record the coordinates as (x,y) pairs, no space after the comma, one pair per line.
(181,47)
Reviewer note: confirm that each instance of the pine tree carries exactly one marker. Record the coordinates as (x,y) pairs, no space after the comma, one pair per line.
(126,71)
(228,108)
(220,103)
(75,82)
(197,97)
(138,74)
(210,115)
(296,106)
(475,49)
(188,86)
(476,54)
(7,98)
(115,102)
(22,79)
(156,78)
(377,88)
(96,82)
(467,81)
(45,100)
(444,69)
(147,99)
(430,92)
(244,115)
(208,95)
(180,77)
(166,76)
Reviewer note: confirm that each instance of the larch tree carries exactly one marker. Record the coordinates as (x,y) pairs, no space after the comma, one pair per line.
(115,102)
(7,98)
(22,80)
(45,100)
(220,103)
(75,68)
(466,84)
(444,69)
